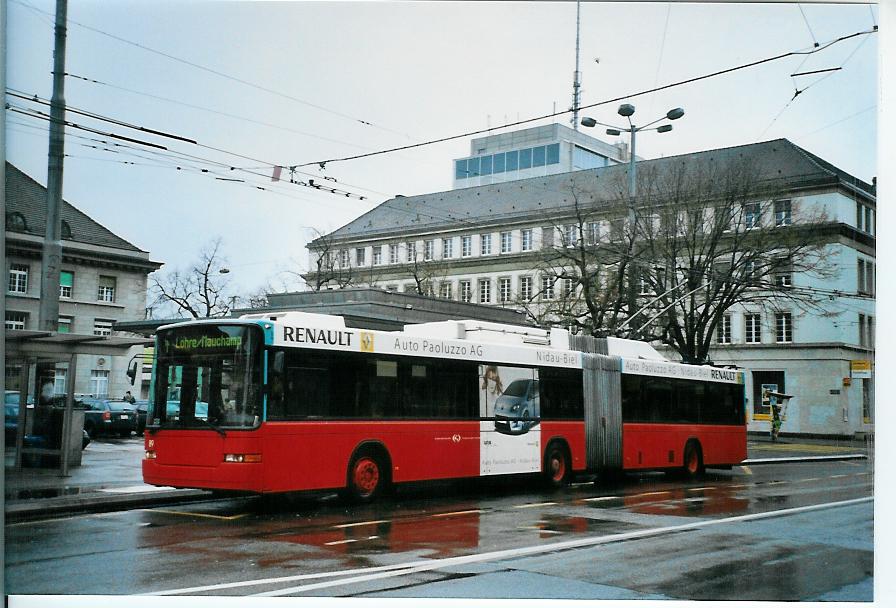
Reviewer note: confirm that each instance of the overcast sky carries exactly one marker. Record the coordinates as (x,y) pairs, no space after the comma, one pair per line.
(334,79)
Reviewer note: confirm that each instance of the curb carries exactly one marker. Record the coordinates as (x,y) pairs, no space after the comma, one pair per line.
(29,509)
(786,459)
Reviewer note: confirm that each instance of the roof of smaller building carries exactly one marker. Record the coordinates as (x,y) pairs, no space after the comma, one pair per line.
(775,161)
(25,196)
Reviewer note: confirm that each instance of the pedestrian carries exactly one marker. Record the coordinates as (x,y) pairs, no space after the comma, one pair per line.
(129,398)
(776,421)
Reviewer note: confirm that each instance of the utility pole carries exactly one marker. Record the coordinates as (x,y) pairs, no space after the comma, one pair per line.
(52,254)
(576,78)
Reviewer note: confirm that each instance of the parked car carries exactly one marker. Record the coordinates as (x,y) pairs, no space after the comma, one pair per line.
(140,406)
(107,417)
(11,427)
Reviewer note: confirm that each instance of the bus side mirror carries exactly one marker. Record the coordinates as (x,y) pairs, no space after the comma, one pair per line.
(132,372)
(279,362)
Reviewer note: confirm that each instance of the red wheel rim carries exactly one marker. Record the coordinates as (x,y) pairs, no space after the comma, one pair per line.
(366,475)
(558,467)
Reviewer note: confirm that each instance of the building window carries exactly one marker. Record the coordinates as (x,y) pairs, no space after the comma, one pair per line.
(504,289)
(66,283)
(772,381)
(64,325)
(864,218)
(784,279)
(526,239)
(783,328)
(412,251)
(447,248)
(644,288)
(359,256)
(752,329)
(18,278)
(568,288)
(377,255)
(445,290)
(99,382)
(485,291)
(393,253)
(106,289)
(570,233)
(102,327)
(506,242)
(866,277)
(466,291)
(466,246)
(866,331)
(344,261)
(429,248)
(526,288)
(782,213)
(617,229)
(750,277)
(16,320)
(547,288)
(59,376)
(723,330)
(593,233)
(15,221)
(752,216)
(485,244)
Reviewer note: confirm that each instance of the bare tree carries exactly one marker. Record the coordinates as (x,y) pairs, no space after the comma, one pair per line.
(202,291)
(331,267)
(699,239)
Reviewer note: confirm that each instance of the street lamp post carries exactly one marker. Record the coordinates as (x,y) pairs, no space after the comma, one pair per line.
(627,110)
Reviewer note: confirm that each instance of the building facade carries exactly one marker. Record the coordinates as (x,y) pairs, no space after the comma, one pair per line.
(103,279)
(488,244)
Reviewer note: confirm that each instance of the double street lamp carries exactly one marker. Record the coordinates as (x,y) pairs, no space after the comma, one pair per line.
(627,110)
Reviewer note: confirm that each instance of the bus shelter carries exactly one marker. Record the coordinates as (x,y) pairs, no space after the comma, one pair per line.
(33,348)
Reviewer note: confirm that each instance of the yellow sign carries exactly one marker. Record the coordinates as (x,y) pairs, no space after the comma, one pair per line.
(366,342)
(860,368)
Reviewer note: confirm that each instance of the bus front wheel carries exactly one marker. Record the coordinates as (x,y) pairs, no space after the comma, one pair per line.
(366,478)
(557,466)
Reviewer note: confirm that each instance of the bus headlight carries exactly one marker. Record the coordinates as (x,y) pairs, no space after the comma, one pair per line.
(242,457)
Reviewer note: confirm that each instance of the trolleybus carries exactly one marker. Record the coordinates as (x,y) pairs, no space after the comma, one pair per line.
(298,401)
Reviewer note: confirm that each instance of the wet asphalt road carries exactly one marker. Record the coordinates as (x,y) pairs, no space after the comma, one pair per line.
(647,537)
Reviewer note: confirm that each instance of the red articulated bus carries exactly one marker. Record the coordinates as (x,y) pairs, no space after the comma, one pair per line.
(298,401)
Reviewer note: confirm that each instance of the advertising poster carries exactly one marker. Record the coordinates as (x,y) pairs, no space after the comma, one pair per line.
(509,430)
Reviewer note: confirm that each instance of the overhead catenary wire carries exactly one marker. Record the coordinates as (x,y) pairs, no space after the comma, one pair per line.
(324,162)
(217,72)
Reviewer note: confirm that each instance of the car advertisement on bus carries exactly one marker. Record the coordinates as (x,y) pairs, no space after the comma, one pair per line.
(510,437)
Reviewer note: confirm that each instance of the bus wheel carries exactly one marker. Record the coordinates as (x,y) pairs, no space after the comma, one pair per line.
(366,478)
(557,468)
(693,460)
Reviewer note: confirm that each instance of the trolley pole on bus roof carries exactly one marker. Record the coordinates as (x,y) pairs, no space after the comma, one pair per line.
(48,319)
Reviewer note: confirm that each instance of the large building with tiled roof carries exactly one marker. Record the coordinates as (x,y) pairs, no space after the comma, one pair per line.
(103,279)
(487,244)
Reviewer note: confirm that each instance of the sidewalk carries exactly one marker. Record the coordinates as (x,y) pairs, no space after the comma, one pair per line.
(110,476)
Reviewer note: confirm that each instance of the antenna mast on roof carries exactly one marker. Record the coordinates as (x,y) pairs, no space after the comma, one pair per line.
(576,82)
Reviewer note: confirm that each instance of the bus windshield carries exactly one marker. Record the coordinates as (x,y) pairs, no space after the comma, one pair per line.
(207,376)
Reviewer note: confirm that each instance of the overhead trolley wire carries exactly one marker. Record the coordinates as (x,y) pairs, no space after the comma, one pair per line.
(323,163)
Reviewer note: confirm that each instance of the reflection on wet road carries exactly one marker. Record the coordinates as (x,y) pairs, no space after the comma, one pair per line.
(501,539)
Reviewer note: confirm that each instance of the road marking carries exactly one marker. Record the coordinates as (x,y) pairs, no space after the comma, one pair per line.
(192,514)
(363,523)
(377,572)
(457,513)
(349,540)
(838,476)
(747,470)
(534,504)
(598,498)
(139,489)
(699,489)
(652,493)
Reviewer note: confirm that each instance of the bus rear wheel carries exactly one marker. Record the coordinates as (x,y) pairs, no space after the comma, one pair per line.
(366,478)
(557,467)
(693,460)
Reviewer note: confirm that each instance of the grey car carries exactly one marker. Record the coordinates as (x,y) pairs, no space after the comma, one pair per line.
(516,407)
